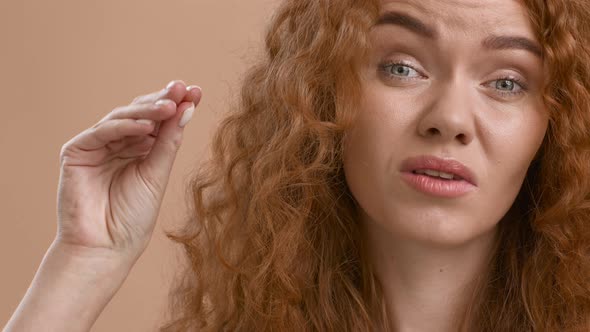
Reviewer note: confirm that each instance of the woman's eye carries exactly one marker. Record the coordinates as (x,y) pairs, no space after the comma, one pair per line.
(399,71)
(509,86)
(504,86)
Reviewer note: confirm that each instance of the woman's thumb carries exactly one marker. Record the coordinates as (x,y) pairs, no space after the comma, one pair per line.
(157,165)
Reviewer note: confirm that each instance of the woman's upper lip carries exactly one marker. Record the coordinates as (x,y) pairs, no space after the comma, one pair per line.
(438,164)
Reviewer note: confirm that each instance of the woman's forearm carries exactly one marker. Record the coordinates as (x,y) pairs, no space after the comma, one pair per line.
(70,290)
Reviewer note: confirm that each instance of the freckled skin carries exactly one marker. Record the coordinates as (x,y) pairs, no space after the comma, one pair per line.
(450,106)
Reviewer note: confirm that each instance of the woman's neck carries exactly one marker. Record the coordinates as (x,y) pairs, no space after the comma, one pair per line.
(426,286)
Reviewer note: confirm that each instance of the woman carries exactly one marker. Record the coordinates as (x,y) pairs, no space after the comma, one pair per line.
(394,165)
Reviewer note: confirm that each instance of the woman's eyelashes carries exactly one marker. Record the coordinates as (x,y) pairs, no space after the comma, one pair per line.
(398,70)
(505,86)
(510,86)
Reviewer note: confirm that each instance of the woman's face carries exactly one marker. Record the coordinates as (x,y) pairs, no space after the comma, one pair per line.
(447,79)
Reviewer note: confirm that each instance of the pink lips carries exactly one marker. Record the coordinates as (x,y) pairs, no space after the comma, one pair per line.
(438,186)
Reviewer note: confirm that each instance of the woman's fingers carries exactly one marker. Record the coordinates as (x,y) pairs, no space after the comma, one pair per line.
(158,111)
(116,146)
(109,131)
(156,130)
(175,91)
(158,163)
(89,148)
(135,149)
(136,129)
(193,94)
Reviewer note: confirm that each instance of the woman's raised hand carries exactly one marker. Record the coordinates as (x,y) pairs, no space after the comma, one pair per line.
(114,174)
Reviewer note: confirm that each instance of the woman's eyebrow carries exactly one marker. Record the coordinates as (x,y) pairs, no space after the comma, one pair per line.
(409,22)
(492,42)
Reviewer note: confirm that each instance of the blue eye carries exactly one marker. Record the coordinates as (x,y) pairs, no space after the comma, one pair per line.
(505,86)
(510,86)
(398,70)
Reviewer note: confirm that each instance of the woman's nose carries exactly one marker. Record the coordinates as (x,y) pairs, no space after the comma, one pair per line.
(449,116)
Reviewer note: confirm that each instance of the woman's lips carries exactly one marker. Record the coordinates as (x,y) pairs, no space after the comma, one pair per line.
(446,165)
(437,186)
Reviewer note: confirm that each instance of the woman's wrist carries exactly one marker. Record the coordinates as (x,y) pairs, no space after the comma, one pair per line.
(70,289)
(99,259)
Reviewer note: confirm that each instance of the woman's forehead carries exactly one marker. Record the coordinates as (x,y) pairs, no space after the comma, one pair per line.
(475,8)
(489,16)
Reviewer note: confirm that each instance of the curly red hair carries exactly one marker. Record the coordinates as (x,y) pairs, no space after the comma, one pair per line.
(273,241)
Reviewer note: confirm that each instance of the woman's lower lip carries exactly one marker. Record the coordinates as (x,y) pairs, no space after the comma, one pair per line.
(437,187)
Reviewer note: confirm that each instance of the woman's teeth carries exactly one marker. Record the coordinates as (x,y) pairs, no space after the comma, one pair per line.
(447,176)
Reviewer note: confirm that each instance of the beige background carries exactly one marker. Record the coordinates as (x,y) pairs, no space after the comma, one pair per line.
(64,64)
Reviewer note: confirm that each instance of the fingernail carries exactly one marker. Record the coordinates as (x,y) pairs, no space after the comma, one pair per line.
(163,101)
(144,121)
(192,87)
(172,83)
(186,116)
